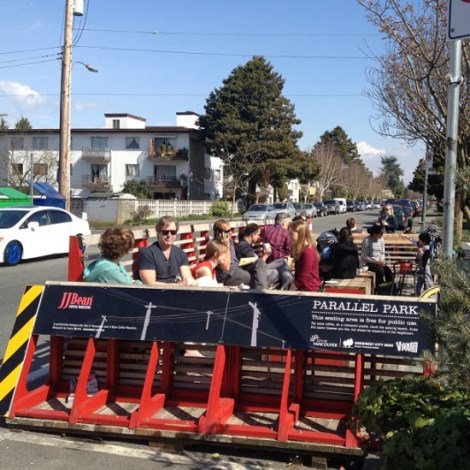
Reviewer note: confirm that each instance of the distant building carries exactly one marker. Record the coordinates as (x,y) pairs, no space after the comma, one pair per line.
(171,159)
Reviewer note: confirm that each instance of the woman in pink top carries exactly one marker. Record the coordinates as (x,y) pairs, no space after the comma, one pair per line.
(304,252)
(216,254)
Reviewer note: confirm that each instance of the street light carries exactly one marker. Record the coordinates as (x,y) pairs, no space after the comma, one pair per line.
(65,90)
(89,67)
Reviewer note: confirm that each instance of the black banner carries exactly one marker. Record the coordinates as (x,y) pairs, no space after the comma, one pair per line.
(317,321)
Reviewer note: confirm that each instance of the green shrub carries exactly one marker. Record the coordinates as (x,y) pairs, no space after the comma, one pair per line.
(424,422)
(220,209)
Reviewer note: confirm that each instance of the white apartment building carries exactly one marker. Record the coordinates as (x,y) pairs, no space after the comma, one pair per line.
(171,159)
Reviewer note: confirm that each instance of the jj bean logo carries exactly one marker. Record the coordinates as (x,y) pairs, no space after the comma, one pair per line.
(73,300)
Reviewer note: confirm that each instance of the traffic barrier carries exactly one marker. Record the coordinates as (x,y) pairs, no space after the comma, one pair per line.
(283,370)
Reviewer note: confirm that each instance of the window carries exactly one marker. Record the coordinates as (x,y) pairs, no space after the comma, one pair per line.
(132,143)
(217,175)
(40,143)
(58,217)
(17,143)
(42,218)
(99,173)
(165,172)
(40,169)
(132,170)
(17,169)
(116,124)
(99,143)
(167,143)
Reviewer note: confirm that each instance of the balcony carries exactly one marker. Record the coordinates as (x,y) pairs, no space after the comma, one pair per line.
(164,182)
(167,152)
(96,155)
(95,182)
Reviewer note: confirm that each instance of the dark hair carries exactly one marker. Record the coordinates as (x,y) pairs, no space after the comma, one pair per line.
(165,220)
(250,229)
(375,229)
(115,242)
(425,238)
(301,217)
(345,235)
(351,223)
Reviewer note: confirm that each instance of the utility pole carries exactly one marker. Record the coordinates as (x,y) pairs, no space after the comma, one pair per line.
(64,137)
(452,139)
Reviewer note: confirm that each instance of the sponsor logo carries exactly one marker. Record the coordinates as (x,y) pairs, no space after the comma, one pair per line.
(73,300)
(319,342)
(407,347)
(348,343)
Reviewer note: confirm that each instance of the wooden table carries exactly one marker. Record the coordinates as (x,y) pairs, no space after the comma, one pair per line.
(362,284)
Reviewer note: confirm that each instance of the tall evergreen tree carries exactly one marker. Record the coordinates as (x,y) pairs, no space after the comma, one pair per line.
(345,148)
(392,174)
(249,121)
(23,124)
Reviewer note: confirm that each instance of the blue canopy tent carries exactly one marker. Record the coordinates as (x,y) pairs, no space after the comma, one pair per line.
(48,196)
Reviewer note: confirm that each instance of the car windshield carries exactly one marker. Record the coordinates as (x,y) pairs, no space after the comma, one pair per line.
(10,218)
(308,206)
(257,208)
(280,205)
(330,202)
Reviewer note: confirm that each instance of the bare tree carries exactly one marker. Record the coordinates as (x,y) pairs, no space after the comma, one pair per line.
(409,85)
(330,166)
(356,179)
(18,167)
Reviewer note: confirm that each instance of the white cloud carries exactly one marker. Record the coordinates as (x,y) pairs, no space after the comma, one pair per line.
(22,95)
(367,151)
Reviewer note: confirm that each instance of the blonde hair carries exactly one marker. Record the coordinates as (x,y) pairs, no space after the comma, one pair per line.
(215,248)
(304,238)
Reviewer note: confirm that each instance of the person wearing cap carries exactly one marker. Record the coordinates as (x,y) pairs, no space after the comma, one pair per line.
(373,255)
(277,236)
(163,262)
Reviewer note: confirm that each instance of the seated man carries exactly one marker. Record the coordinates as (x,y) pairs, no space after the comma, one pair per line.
(230,274)
(277,271)
(277,236)
(163,262)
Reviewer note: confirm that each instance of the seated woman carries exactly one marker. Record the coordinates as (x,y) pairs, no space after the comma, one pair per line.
(373,255)
(204,272)
(344,256)
(388,220)
(304,252)
(115,242)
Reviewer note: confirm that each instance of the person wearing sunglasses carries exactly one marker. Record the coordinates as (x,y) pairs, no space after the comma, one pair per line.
(163,262)
(230,274)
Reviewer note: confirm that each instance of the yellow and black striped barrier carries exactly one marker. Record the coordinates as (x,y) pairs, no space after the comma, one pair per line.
(17,345)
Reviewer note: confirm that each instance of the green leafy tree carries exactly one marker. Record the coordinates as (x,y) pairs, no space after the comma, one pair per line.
(249,116)
(346,149)
(23,124)
(392,173)
(139,189)
(3,125)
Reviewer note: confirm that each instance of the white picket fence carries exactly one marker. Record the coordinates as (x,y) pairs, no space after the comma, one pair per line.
(157,208)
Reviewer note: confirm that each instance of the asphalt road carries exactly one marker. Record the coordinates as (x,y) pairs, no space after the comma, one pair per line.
(22,449)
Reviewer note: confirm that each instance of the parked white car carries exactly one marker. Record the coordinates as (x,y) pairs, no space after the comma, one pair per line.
(32,232)
(263,213)
(287,207)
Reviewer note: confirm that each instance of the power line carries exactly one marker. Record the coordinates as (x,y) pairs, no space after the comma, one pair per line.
(29,63)
(30,50)
(224,54)
(196,33)
(29,58)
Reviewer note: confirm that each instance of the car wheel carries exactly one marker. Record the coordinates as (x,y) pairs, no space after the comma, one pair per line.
(13,253)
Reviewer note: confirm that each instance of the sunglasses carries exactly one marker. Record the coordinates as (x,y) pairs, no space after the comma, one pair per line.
(169,232)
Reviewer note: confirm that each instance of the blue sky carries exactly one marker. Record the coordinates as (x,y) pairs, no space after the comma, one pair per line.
(156,58)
